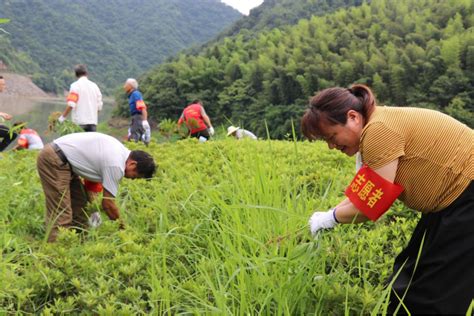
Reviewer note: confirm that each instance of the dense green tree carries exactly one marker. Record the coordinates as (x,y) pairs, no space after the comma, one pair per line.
(411,52)
(14,59)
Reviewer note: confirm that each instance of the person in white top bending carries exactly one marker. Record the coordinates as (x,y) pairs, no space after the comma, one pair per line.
(84,101)
(240,133)
(93,156)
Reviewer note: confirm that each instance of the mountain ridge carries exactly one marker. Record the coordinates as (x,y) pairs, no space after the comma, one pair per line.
(115,38)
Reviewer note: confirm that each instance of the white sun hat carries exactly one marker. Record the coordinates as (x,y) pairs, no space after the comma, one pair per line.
(231,130)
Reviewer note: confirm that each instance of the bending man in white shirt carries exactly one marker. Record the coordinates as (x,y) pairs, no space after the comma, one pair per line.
(93,156)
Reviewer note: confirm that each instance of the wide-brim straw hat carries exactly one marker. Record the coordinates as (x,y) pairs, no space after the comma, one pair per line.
(231,130)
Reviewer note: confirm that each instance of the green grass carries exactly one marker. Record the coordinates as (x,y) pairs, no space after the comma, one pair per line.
(222,229)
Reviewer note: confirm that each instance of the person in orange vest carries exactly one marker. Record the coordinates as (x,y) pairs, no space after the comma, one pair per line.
(28,138)
(197,121)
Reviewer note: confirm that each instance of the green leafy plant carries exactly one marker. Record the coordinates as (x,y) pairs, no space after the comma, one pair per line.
(64,128)
(228,236)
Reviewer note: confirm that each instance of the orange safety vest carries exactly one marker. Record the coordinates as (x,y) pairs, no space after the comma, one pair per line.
(193,118)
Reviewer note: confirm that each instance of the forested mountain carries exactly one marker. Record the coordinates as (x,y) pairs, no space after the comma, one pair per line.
(115,38)
(15,60)
(411,52)
(18,61)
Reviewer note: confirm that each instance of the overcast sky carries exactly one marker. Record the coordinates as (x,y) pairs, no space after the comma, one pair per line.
(243,6)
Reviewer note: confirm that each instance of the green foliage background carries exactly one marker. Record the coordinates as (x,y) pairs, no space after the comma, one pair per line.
(117,39)
(411,52)
(222,229)
(280,13)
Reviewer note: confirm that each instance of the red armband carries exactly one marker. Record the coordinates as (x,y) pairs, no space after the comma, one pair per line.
(91,186)
(23,142)
(371,193)
(140,104)
(73,97)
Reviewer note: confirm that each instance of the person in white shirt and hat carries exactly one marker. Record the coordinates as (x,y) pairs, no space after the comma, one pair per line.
(240,133)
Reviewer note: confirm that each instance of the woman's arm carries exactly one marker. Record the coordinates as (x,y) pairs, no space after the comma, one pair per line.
(6,116)
(346,212)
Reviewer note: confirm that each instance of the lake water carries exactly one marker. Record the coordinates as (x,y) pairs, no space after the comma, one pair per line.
(36,111)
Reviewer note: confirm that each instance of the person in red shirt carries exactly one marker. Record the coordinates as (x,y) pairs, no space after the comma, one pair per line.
(197,121)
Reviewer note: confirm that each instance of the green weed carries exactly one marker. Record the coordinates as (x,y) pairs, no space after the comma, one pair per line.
(221,229)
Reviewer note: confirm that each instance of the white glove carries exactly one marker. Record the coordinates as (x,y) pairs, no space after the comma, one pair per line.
(321,220)
(211,131)
(95,220)
(147,135)
(61,119)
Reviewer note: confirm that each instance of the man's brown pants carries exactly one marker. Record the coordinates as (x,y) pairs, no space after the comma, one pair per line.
(64,192)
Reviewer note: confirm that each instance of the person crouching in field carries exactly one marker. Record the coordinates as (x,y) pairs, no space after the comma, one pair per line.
(197,121)
(425,159)
(240,133)
(28,139)
(93,156)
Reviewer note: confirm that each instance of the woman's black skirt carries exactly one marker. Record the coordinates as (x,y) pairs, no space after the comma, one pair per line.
(436,269)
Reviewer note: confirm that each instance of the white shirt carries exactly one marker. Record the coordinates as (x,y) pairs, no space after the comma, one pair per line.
(85,99)
(243,133)
(96,157)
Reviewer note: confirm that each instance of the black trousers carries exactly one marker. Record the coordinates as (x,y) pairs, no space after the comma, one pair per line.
(442,282)
(203,133)
(89,127)
(136,128)
(5,137)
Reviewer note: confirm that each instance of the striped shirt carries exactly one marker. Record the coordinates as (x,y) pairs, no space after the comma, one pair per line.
(435,152)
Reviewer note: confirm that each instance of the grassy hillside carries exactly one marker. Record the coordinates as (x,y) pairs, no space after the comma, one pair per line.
(411,52)
(116,38)
(222,229)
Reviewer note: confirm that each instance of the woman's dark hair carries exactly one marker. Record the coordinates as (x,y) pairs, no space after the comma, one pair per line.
(146,166)
(80,70)
(330,106)
(1,77)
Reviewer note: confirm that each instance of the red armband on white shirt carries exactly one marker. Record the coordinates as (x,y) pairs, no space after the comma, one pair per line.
(371,193)
(72,97)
